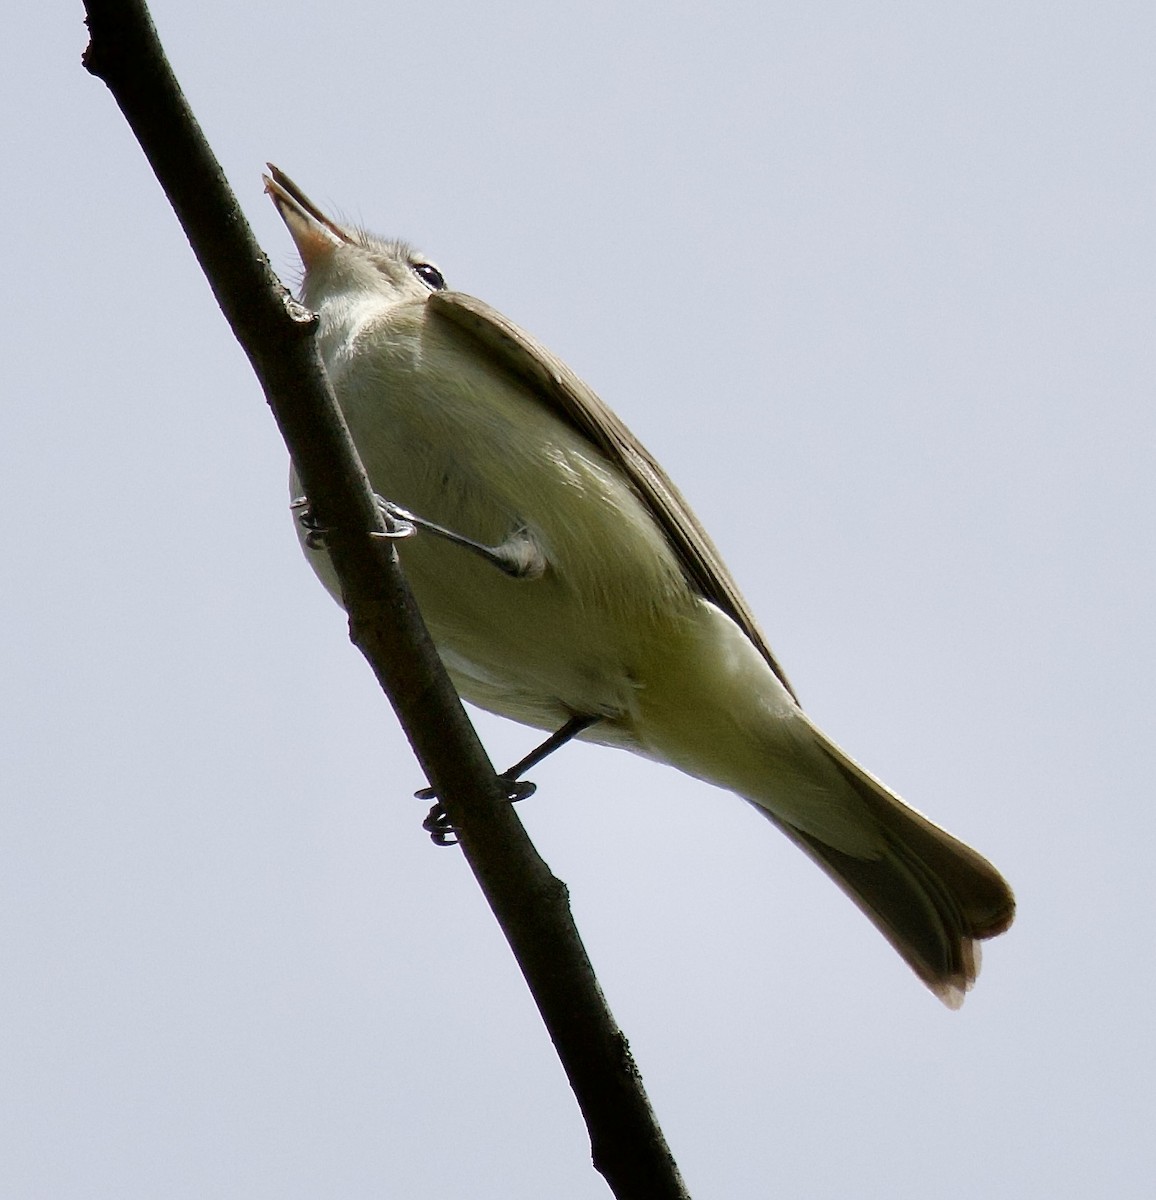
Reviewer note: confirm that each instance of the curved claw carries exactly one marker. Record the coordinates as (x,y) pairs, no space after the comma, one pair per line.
(314,533)
(437,825)
(398,522)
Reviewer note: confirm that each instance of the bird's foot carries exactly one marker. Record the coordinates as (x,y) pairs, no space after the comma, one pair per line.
(437,822)
(398,523)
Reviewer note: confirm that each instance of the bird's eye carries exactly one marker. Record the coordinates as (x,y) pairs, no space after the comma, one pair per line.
(429,275)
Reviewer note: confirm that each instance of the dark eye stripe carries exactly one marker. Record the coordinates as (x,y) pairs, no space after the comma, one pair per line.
(429,275)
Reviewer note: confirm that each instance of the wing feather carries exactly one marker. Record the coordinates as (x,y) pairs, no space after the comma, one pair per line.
(515,351)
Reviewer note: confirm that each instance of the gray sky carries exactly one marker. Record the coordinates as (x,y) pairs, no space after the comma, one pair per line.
(875,283)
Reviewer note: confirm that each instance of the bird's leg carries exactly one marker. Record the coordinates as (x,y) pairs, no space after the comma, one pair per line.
(573,727)
(437,822)
(519,555)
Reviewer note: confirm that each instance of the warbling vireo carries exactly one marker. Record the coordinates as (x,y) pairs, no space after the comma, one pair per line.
(567,584)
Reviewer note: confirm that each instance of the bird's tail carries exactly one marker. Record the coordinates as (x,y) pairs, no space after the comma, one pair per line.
(931,896)
(711,705)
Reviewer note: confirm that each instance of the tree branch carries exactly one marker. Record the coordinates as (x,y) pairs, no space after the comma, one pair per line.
(276,333)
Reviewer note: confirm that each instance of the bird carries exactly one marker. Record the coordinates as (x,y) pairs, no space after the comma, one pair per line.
(568,585)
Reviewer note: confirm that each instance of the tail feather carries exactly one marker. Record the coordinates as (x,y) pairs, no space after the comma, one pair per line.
(929,894)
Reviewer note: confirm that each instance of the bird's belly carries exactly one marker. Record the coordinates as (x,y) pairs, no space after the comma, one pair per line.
(537,650)
(571,641)
(484,457)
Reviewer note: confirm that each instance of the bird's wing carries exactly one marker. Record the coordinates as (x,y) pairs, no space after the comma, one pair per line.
(517,352)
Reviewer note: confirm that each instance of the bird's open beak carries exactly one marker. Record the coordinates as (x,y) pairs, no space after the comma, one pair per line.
(314,233)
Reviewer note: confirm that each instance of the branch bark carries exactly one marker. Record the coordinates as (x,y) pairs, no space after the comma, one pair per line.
(276,333)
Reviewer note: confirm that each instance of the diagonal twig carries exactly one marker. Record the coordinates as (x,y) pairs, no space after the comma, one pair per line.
(276,333)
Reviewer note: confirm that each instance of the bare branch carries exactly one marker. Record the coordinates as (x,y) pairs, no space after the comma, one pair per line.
(276,333)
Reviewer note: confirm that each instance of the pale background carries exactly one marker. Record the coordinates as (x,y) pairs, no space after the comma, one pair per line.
(875,282)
